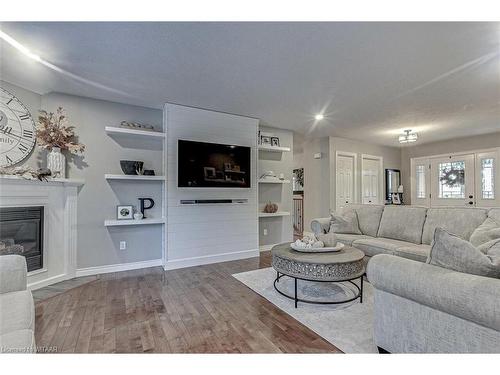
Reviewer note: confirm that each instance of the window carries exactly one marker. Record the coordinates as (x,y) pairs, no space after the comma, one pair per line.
(452,180)
(420,185)
(487,179)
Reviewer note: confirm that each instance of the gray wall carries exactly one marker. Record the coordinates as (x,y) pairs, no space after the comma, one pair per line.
(471,143)
(280,229)
(316,180)
(97,199)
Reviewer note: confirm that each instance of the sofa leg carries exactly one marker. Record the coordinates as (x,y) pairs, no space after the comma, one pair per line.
(382,350)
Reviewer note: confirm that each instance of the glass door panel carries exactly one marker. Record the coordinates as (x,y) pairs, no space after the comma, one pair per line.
(487,179)
(452,181)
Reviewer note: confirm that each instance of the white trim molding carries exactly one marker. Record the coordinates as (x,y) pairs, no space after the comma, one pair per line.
(89,271)
(209,259)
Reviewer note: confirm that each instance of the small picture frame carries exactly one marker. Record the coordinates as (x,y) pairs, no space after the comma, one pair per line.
(265,140)
(275,142)
(395,198)
(227,166)
(125,212)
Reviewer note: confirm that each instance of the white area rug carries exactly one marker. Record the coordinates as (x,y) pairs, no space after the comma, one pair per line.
(347,326)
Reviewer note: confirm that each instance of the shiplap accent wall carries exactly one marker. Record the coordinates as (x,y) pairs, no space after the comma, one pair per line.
(203,234)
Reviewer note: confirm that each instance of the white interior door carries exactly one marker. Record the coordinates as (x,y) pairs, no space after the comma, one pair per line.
(345,180)
(487,179)
(371,179)
(452,181)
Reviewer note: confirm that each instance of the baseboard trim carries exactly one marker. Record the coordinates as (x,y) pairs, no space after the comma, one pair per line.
(209,259)
(46,282)
(267,247)
(89,271)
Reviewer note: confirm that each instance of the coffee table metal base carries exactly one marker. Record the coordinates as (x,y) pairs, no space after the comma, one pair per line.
(296,299)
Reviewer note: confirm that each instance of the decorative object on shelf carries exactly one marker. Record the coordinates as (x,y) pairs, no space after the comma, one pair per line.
(138,216)
(408,137)
(275,142)
(54,134)
(17,130)
(131,167)
(265,140)
(149,172)
(452,177)
(124,212)
(137,126)
(268,175)
(144,207)
(227,166)
(270,208)
(282,176)
(25,172)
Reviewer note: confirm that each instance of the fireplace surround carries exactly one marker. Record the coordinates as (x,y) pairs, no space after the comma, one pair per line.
(21,233)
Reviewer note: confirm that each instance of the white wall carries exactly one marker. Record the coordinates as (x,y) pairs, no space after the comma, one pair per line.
(97,245)
(279,229)
(201,234)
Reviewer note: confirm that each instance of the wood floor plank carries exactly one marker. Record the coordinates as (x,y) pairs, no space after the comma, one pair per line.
(192,310)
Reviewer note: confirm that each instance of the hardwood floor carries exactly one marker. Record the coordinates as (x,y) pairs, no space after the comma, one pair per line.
(192,310)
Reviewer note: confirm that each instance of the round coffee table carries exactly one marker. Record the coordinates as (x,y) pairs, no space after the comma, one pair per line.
(342,266)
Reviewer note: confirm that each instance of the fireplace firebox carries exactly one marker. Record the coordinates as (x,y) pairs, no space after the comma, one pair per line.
(21,232)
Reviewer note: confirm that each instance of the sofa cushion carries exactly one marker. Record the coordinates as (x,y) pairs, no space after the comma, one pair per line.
(494,213)
(374,246)
(487,246)
(21,341)
(368,217)
(17,311)
(402,223)
(452,252)
(414,252)
(348,239)
(489,230)
(347,222)
(459,221)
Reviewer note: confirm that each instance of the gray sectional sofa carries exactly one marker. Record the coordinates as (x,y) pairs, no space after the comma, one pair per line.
(419,307)
(17,310)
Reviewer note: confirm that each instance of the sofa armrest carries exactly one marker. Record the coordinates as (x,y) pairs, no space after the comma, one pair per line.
(320,225)
(471,297)
(13,273)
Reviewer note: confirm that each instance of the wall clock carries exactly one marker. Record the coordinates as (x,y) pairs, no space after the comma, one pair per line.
(17,130)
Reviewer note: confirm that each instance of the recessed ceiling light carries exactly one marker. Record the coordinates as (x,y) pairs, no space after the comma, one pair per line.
(319,117)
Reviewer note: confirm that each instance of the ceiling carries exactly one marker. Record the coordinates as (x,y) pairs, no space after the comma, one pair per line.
(371,80)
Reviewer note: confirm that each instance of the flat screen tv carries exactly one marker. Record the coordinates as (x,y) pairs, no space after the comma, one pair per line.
(212,165)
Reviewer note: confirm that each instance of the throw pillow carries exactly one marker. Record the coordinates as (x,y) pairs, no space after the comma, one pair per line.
(489,246)
(452,252)
(347,223)
(487,231)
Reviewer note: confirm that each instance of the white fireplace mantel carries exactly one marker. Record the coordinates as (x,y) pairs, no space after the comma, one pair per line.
(59,197)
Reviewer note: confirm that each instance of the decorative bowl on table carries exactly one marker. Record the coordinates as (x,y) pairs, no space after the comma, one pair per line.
(131,167)
(321,244)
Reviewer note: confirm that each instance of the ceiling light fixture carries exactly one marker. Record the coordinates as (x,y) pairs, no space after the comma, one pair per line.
(408,137)
(319,117)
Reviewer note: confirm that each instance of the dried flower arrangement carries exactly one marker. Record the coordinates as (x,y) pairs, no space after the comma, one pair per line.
(53,130)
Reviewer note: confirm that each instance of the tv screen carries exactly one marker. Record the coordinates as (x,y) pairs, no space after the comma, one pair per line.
(212,165)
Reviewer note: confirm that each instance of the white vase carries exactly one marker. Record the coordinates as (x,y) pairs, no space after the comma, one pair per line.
(56,162)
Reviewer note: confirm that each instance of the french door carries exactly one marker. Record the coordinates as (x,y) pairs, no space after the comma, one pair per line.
(470,180)
(452,181)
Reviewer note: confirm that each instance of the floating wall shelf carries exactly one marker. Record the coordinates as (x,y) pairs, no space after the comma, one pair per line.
(140,139)
(118,223)
(274,214)
(133,177)
(274,181)
(274,149)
